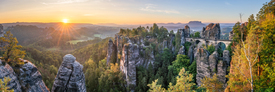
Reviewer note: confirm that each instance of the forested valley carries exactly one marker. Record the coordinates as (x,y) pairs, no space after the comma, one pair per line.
(162,62)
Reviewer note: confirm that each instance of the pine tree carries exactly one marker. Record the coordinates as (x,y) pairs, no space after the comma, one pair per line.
(11,50)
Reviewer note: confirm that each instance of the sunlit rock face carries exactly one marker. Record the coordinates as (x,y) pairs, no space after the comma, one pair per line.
(7,71)
(70,76)
(211,31)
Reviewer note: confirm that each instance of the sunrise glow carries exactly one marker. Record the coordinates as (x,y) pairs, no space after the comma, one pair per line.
(65,20)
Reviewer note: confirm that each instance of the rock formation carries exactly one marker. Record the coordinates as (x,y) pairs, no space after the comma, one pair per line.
(182,41)
(31,79)
(28,79)
(7,71)
(212,31)
(70,76)
(203,65)
(208,65)
(182,51)
(1,30)
(111,53)
(226,57)
(231,35)
(187,31)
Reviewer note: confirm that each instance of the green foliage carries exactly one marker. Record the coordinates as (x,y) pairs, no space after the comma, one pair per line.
(184,83)
(211,48)
(4,85)
(230,49)
(47,63)
(177,41)
(212,84)
(11,50)
(186,47)
(96,52)
(102,78)
(197,35)
(180,62)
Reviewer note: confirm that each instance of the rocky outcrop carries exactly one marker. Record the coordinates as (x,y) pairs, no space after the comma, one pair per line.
(28,78)
(208,65)
(191,53)
(70,76)
(212,31)
(111,53)
(187,31)
(182,51)
(31,79)
(7,71)
(172,39)
(203,65)
(221,72)
(182,41)
(1,30)
(134,55)
(231,35)
(226,57)
(213,60)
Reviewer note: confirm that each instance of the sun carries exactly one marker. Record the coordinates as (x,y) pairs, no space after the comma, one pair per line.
(65,20)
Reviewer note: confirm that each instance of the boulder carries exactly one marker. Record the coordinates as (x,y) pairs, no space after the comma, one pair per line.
(31,79)
(7,71)
(70,76)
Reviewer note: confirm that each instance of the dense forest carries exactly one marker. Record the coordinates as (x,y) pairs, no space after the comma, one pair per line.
(252,50)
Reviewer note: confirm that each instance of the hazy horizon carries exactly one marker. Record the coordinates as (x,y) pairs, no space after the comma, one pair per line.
(130,12)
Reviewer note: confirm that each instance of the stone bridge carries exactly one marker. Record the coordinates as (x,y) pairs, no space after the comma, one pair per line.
(208,41)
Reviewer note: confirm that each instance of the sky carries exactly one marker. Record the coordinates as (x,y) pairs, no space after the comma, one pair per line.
(128,11)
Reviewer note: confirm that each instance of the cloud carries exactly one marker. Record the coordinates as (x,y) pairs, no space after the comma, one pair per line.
(65,2)
(227,3)
(153,8)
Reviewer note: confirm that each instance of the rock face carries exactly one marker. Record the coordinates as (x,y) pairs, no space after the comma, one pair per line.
(208,65)
(231,35)
(111,53)
(182,41)
(182,51)
(132,56)
(1,30)
(31,79)
(212,31)
(226,57)
(70,76)
(203,66)
(191,53)
(187,31)
(7,71)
